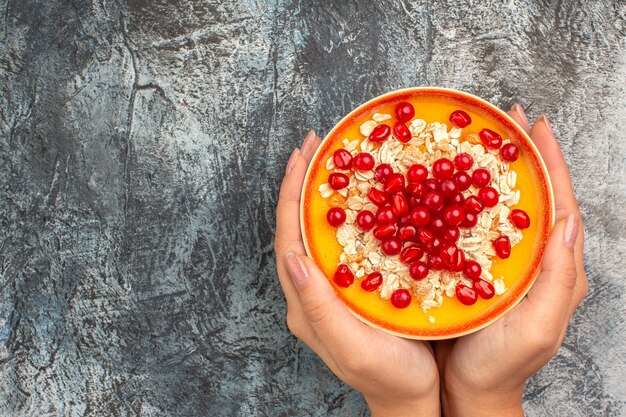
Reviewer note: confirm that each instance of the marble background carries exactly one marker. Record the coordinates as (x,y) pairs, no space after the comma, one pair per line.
(142,144)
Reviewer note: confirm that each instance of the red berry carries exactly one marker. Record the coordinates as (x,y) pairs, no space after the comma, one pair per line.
(463,161)
(391,246)
(484,289)
(377,197)
(481,177)
(363,161)
(473,204)
(472,270)
(417,173)
(451,234)
(443,169)
(382,232)
(407,232)
(416,189)
(380,133)
(434,247)
(453,215)
(399,205)
(394,183)
(372,281)
(418,270)
(337,180)
(411,254)
(382,172)
(404,220)
(519,218)
(489,196)
(453,257)
(460,119)
(413,202)
(433,201)
(431,184)
(437,226)
(457,199)
(420,216)
(336,216)
(401,298)
(365,220)
(385,216)
(462,180)
(401,132)
(435,262)
(343,276)
(490,138)
(466,295)
(404,111)
(469,221)
(425,236)
(448,188)
(509,152)
(502,245)
(342,159)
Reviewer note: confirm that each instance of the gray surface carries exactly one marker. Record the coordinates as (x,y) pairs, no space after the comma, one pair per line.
(142,146)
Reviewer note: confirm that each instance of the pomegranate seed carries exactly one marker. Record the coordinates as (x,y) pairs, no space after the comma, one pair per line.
(432,184)
(416,189)
(363,161)
(425,236)
(490,138)
(460,119)
(404,111)
(373,281)
(401,298)
(453,215)
(385,216)
(391,246)
(437,226)
(470,220)
(443,169)
(457,199)
(407,232)
(401,132)
(435,262)
(337,180)
(462,180)
(509,152)
(420,216)
(382,172)
(433,201)
(448,188)
(343,276)
(411,254)
(394,183)
(414,202)
(336,216)
(365,220)
(418,270)
(399,204)
(417,173)
(380,133)
(481,177)
(453,257)
(377,197)
(484,289)
(382,232)
(342,159)
(519,218)
(466,295)
(502,245)
(451,234)
(404,220)
(473,204)
(463,161)
(472,270)
(489,196)
(435,247)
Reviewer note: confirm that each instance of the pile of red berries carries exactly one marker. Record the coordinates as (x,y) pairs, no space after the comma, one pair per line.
(420,215)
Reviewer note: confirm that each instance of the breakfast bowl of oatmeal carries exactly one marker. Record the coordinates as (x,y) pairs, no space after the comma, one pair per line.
(428,210)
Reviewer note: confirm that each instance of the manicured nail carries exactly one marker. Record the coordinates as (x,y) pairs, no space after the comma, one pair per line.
(296,269)
(517,108)
(546,121)
(307,142)
(571,230)
(292,160)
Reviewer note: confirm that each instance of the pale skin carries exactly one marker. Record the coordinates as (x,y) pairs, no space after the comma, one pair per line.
(482,374)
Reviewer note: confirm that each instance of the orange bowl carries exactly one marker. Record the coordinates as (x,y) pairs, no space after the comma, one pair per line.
(449,317)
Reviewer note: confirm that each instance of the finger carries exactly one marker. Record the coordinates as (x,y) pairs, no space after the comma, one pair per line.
(518,114)
(310,145)
(288,207)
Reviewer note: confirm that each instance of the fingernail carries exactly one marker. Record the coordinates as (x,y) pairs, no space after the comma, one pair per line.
(571,230)
(292,161)
(517,108)
(296,269)
(547,122)
(307,142)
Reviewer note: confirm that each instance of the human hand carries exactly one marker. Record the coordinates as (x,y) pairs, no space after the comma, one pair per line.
(398,377)
(483,374)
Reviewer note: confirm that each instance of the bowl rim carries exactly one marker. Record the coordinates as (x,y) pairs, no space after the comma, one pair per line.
(452,92)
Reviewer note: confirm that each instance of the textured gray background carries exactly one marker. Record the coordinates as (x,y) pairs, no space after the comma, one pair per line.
(142,147)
